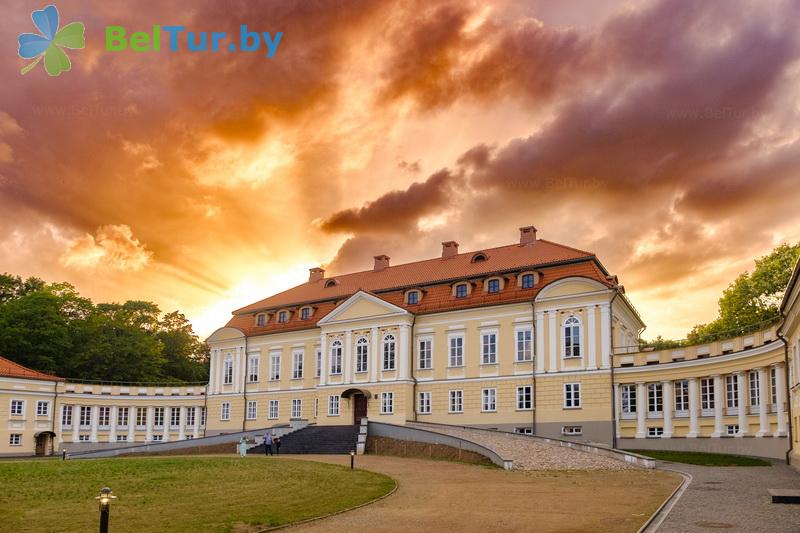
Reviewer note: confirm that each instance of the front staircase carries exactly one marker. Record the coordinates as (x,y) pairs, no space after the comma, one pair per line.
(317,440)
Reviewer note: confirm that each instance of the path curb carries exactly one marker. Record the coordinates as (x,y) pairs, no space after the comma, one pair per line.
(660,514)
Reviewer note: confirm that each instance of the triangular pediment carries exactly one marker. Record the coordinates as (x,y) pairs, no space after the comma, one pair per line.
(360,306)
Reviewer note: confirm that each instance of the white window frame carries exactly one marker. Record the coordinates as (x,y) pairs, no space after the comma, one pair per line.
(227,370)
(489,347)
(42,408)
(707,396)
(628,400)
(66,416)
(141,417)
(681,397)
(424,403)
(85,419)
(525,398)
(387,403)
(275,365)
(15,439)
(362,355)
(523,344)
(389,352)
(455,401)
(253,361)
(158,417)
(122,438)
(174,417)
(274,409)
(731,393)
(157,438)
(731,429)
(297,408)
(86,438)
(424,353)
(571,431)
(655,431)
(318,355)
(655,400)
(334,405)
(190,416)
(570,348)
(103,416)
(225,411)
(297,363)
(572,395)
(123,417)
(755,392)
(17,408)
(252,410)
(335,358)
(456,345)
(489,400)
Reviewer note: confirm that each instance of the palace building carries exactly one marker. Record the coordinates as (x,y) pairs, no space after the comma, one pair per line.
(533,337)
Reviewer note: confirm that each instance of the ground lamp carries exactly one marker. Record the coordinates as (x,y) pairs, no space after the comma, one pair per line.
(352,458)
(104,499)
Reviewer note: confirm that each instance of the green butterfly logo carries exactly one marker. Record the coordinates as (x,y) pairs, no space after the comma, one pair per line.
(49,45)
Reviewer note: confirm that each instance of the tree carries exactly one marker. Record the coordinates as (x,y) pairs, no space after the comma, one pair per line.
(187,358)
(13,287)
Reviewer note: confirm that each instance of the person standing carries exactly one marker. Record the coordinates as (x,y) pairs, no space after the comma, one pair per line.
(243,446)
(267,443)
(278,445)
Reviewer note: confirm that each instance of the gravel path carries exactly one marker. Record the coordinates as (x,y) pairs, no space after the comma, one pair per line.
(529,454)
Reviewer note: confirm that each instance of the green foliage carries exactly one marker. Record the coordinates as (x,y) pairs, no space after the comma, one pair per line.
(660,343)
(51,328)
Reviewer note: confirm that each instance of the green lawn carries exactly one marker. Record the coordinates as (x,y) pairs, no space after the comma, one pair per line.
(703,459)
(178,493)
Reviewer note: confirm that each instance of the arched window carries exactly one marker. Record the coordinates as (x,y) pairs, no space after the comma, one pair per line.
(305,313)
(283,316)
(478,257)
(572,337)
(388,352)
(412,297)
(261,320)
(362,354)
(336,357)
(331,283)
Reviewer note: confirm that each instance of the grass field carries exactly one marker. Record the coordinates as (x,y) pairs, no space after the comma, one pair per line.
(702,459)
(178,493)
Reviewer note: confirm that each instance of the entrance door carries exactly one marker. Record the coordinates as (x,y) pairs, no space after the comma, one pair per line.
(42,444)
(359,408)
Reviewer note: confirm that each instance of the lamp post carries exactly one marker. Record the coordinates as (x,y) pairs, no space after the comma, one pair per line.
(105,506)
(64,454)
(352,458)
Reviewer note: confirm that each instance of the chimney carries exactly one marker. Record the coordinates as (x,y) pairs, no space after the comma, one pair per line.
(449,249)
(315,274)
(527,235)
(381,262)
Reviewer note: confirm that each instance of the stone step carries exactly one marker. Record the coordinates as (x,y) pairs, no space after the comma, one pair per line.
(784,495)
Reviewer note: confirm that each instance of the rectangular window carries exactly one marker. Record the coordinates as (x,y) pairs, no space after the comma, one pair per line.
(387,403)
(681,396)
(524,430)
(174,417)
(86,416)
(158,416)
(707,394)
(773,379)
(122,438)
(456,401)
(489,400)
(190,416)
(203,414)
(141,416)
(527,281)
(333,406)
(157,438)
(755,396)
(104,414)
(461,291)
(17,407)
(83,438)
(66,415)
(42,408)
(655,432)
(572,395)
(273,410)
(493,285)
(275,366)
(732,391)
(297,408)
(297,364)
(362,354)
(305,313)
(525,397)
(122,416)
(336,358)
(489,348)
(319,362)
(252,365)
(15,439)
(572,337)
(457,351)
(283,317)
(425,354)
(227,372)
(424,405)
(252,410)
(225,411)
(413,298)
(628,399)
(655,398)
(388,352)
(572,430)
(732,429)
(524,345)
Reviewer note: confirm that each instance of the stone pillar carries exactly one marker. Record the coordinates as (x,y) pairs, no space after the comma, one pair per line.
(196,429)
(76,422)
(182,424)
(168,423)
(323,358)
(374,350)
(763,402)
(112,424)
(149,434)
(212,373)
(95,415)
(539,332)
(591,336)
(60,415)
(553,334)
(616,409)
(404,351)
(667,403)
(719,405)
(741,385)
(605,336)
(694,405)
(641,408)
(132,423)
(780,408)
(347,356)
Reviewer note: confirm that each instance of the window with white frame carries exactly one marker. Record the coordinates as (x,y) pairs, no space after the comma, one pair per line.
(336,358)
(297,364)
(305,313)
(572,337)
(104,414)
(527,281)
(456,350)
(15,439)
(489,348)
(42,408)
(572,395)
(203,413)
(225,411)
(261,320)
(707,394)
(158,416)
(86,438)
(274,409)
(628,400)
(190,416)
(227,371)
(412,297)
(388,352)
(252,409)
(275,366)
(773,380)
(493,285)
(524,345)
(425,353)
(333,406)
(461,290)
(283,317)
(755,393)
(297,408)
(319,361)
(252,368)
(424,403)
(456,404)
(174,417)
(122,438)
(362,354)
(681,397)
(387,403)
(524,430)
(17,407)
(572,430)
(66,415)
(157,438)
(732,429)
(122,416)
(655,431)
(141,416)
(86,416)
(525,397)
(655,399)
(489,400)
(731,391)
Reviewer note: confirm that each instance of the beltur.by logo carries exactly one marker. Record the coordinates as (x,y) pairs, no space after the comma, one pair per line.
(201,41)
(49,45)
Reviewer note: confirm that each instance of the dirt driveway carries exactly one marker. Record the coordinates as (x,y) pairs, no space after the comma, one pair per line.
(445,496)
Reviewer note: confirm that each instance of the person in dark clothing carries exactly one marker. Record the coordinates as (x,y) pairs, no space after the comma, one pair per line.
(268,443)
(278,445)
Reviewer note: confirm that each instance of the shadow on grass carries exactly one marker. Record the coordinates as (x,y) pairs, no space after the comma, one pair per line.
(702,459)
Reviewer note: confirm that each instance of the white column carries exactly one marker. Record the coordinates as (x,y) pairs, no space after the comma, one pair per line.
(553,344)
(149,435)
(694,405)
(60,415)
(616,408)
(741,385)
(347,371)
(182,421)
(641,408)
(539,332)
(212,373)
(780,384)
(374,355)
(590,326)
(112,425)
(76,422)
(605,336)
(132,423)
(719,405)
(196,428)
(404,350)
(95,421)
(763,403)
(323,359)
(666,408)
(167,423)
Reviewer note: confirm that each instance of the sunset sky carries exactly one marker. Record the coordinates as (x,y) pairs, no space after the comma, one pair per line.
(662,135)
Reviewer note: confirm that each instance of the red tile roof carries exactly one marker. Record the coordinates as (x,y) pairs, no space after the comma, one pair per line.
(10,369)
(434,277)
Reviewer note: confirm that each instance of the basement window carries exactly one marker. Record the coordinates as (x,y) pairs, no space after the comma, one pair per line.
(572,430)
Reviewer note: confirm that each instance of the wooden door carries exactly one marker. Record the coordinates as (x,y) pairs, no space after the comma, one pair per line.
(359,408)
